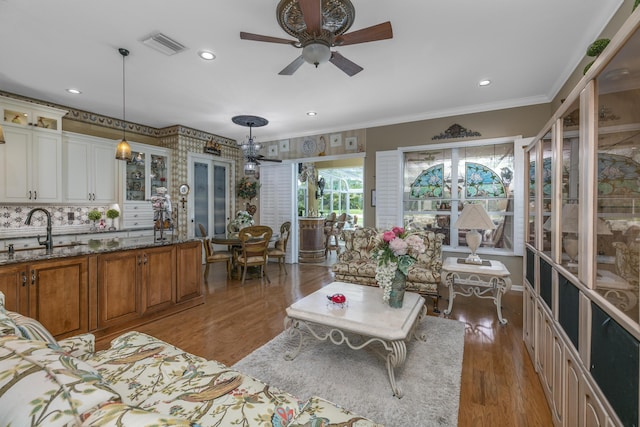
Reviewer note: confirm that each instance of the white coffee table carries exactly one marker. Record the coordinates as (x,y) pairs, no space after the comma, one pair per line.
(488,280)
(364,319)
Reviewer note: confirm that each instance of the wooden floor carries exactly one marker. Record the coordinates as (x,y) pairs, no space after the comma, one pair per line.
(499,385)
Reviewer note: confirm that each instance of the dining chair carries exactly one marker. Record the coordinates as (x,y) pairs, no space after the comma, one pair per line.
(332,235)
(255,243)
(212,256)
(279,250)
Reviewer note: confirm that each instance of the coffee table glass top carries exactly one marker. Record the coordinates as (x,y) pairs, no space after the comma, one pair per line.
(364,312)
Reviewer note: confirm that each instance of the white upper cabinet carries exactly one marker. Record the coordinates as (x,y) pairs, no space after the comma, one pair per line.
(29,115)
(90,169)
(30,167)
(31,157)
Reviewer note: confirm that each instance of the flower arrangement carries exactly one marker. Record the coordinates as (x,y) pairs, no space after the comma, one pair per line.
(397,252)
(247,188)
(243,219)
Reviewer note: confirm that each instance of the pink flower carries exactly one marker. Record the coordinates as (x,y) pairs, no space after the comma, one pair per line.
(416,244)
(388,236)
(398,246)
(397,231)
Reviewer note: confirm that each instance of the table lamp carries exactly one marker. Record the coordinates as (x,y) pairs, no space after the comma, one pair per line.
(473,218)
(569,226)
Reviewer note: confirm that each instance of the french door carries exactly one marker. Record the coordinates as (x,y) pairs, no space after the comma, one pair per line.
(210,200)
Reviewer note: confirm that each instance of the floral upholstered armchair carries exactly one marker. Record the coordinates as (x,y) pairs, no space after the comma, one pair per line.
(356,265)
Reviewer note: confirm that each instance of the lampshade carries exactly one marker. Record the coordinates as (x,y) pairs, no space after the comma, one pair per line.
(316,53)
(123,150)
(569,221)
(474,218)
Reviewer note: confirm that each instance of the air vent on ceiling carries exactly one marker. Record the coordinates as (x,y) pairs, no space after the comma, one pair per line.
(164,44)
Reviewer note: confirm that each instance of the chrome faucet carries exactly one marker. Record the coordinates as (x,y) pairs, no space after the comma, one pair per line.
(46,243)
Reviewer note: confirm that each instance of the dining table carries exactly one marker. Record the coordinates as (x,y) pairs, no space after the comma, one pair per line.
(234,245)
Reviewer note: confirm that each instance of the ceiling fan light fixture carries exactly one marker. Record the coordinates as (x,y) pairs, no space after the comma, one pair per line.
(250,168)
(316,53)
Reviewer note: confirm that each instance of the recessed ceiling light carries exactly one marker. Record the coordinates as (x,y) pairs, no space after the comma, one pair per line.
(74,91)
(311,113)
(206,55)
(484,82)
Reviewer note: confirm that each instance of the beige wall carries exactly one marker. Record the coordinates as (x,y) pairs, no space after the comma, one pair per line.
(525,121)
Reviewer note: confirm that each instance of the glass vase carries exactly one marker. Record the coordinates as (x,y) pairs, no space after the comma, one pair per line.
(398,285)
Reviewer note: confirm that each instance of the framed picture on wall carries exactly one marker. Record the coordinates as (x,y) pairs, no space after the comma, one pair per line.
(351,143)
(335,140)
(284,145)
(272,151)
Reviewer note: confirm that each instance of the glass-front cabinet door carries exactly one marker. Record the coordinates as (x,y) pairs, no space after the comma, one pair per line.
(136,177)
(158,175)
(146,171)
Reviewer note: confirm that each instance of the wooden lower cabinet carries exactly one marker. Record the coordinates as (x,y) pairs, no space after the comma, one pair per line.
(58,295)
(132,283)
(14,286)
(107,292)
(158,278)
(138,285)
(119,298)
(54,292)
(189,271)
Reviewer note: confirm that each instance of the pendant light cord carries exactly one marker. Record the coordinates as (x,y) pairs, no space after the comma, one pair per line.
(124,53)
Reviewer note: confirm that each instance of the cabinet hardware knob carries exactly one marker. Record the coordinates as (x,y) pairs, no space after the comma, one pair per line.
(33,277)
(35,195)
(24,278)
(29,194)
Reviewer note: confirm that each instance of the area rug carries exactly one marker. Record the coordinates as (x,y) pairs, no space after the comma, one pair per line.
(357,379)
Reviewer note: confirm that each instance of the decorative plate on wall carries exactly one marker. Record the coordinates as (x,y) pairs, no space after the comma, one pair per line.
(308,146)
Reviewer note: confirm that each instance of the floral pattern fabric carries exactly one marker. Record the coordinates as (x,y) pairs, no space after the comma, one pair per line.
(43,386)
(356,265)
(139,381)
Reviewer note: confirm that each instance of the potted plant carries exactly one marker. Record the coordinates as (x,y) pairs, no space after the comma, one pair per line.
(112,214)
(94,216)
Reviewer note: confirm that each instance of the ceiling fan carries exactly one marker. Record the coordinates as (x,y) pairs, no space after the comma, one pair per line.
(319,25)
(249,147)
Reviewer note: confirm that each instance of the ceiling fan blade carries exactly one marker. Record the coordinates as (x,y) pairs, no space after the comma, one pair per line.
(269,39)
(377,32)
(291,68)
(271,160)
(312,15)
(349,67)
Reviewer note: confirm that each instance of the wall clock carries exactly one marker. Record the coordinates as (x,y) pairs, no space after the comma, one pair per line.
(184,189)
(309,146)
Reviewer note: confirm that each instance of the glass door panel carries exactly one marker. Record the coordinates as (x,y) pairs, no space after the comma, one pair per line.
(135,177)
(158,176)
(201,197)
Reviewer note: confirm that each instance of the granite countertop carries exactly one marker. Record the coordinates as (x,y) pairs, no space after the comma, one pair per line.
(92,246)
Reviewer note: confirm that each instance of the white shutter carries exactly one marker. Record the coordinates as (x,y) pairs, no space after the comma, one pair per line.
(277,201)
(388,189)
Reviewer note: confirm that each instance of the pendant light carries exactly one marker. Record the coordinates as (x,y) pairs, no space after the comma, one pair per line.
(123,151)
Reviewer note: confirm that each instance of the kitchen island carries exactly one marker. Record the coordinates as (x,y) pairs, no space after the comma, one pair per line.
(103,286)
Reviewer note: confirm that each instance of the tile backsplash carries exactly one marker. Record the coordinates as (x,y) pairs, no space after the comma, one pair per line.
(12,218)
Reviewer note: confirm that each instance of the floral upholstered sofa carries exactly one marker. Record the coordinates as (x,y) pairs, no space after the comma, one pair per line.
(139,381)
(355,264)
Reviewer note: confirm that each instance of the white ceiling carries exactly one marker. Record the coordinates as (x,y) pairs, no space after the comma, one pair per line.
(431,67)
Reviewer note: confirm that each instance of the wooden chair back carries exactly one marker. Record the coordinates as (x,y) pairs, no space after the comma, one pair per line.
(208,250)
(255,242)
